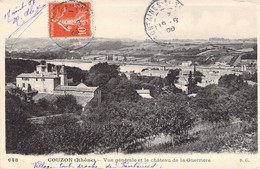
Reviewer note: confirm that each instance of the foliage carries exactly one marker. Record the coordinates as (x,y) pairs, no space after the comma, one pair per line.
(77,74)
(173,116)
(172,78)
(218,140)
(153,83)
(198,76)
(252,77)
(212,104)
(127,124)
(74,73)
(14,67)
(243,105)
(232,82)
(17,126)
(101,73)
(124,121)
(119,89)
(121,126)
(61,105)
(193,80)
(67,104)
(61,134)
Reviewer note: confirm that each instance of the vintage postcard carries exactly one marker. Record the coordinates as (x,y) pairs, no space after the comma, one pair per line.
(155,84)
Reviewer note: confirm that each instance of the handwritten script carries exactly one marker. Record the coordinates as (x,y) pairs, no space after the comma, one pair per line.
(23,15)
(94,165)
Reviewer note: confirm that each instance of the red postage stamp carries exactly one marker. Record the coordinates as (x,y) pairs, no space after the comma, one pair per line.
(70,19)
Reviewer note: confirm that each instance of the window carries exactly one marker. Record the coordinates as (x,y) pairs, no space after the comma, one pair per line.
(36,79)
(25,78)
(23,84)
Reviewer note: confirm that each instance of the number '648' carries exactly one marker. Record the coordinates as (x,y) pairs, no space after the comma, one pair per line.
(12,159)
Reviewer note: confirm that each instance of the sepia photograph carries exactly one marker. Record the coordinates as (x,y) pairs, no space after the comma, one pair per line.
(130,78)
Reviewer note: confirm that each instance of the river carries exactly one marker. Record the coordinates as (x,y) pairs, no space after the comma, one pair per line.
(88,65)
(139,67)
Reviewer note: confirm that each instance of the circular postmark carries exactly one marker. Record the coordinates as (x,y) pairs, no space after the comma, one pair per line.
(71,24)
(161,20)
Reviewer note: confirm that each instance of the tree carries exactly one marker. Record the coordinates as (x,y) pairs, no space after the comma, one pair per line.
(193,80)
(254,77)
(243,105)
(18,127)
(122,128)
(173,116)
(197,77)
(212,104)
(44,104)
(191,83)
(232,82)
(67,104)
(124,90)
(101,73)
(172,78)
(63,134)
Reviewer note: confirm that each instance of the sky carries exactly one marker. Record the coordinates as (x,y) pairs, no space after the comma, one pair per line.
(125,19)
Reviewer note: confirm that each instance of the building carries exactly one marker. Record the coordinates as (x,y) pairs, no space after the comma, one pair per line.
(41,79)
(144,93)
(81,92)
(52,84)
(154,72)
(186,63)
(249,65)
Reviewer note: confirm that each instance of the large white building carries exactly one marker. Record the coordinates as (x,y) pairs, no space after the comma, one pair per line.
(42,80)
(51,84)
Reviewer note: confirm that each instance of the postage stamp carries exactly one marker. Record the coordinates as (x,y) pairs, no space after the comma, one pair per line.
(161,20)
(70,19)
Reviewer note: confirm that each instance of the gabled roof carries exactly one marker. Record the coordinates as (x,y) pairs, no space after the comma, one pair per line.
(144,93)
(81,100)
(146,96)
(75,88)
(82,85)
(49,97)
(45,75)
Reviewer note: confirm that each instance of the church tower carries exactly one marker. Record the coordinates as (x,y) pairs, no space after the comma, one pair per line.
(63,76)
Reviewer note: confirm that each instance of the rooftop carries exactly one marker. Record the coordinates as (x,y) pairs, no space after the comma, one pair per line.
(144,93)
(81,100)
(146,96)
(80,88)
(46,75)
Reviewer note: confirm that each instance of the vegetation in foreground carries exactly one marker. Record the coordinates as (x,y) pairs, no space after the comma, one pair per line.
(219,118)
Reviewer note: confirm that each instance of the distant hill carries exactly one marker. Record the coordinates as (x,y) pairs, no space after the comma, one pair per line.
(201,51)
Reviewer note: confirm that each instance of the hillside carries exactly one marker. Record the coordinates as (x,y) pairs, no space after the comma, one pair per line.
(202,51)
